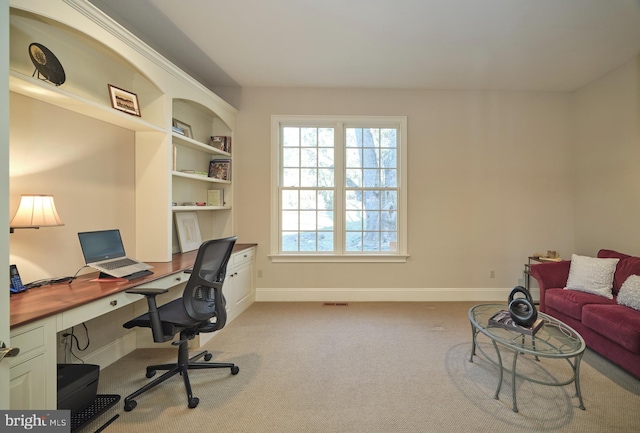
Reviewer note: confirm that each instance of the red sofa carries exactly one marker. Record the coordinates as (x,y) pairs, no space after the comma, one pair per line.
(610,329)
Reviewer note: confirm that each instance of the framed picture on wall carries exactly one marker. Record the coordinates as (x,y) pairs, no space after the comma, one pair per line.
(124,100)
(188,230)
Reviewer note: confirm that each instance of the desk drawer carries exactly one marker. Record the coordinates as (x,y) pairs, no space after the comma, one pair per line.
(243,256)
(167,282)
(30,340)
(96,308)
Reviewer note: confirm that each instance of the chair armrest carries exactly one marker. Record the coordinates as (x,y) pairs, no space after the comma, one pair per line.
(154,314)
(552,275)
(146,291)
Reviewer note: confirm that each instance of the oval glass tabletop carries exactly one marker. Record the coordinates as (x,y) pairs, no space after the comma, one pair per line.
(553,339)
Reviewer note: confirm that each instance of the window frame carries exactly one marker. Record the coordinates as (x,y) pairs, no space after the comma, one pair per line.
(340,123)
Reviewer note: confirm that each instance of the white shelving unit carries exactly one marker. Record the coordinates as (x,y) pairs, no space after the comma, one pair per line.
(194,153)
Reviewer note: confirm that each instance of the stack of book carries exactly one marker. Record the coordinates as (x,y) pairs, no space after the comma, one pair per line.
(503,319)
(220,169)
(221,142)
(199,173)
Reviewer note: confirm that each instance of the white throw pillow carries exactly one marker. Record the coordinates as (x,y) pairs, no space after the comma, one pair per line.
(629,294)
(592,275)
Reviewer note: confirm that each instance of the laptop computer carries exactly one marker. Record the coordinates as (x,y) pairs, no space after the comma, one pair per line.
(103,250)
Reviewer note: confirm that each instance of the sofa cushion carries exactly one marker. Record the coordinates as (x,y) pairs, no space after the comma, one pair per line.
(592,275)
(626,268)
(628,265)
(611,254)
(629,294)
(571,302)
(616,322)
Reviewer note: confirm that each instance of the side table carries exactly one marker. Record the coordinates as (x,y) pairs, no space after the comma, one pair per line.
(532,260)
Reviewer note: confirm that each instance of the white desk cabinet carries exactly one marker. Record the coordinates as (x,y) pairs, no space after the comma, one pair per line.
(239,286)
(33,372)
(242,281)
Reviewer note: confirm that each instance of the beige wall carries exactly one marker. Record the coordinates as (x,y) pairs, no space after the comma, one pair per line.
(490,183)
(491,180)
(86,164)
(607,160)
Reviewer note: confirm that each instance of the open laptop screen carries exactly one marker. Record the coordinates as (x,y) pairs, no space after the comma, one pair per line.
(101,245)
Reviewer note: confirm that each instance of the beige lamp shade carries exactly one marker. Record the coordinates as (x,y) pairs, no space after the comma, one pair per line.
(35,211)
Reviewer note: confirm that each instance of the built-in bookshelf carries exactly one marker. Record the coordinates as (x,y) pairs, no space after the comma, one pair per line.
(96,52)
(192,178)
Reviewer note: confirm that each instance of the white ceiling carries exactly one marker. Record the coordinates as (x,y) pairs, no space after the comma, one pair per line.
(537,45)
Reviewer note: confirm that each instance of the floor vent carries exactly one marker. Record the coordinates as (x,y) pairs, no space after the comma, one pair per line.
(336,304)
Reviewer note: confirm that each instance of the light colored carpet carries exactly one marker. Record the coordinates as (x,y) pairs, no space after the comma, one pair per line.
(365,367)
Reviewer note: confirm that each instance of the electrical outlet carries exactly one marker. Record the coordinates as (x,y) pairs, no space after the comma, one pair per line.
(259,273)
(62,340)
(492,273)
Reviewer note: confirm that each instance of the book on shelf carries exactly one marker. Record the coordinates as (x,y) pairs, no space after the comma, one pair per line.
(175,158)
(215,197)
(549,259)
(221,142)
(199,173)
(220,169)
(503,319)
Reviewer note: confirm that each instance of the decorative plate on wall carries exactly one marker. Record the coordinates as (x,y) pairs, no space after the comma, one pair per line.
(46,63)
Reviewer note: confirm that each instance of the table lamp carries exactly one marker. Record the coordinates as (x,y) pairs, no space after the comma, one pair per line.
(35,211)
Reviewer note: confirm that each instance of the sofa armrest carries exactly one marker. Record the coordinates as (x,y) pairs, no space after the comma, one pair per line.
(552,275)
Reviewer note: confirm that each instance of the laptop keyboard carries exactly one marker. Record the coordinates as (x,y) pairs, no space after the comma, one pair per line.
(118,264)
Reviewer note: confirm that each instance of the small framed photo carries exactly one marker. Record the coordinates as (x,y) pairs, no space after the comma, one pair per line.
(124,100)
(185,128)
(188,229)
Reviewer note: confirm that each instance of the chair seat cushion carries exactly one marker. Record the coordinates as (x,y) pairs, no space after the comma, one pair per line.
(571,302)
(172,315)
(616,322)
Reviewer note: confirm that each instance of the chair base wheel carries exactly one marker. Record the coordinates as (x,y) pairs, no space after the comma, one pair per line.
(193,402)
(150,374)
(208,357)
(130,405)
(235,370)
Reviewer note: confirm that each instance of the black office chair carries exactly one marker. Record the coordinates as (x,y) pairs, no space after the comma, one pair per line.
(190,315)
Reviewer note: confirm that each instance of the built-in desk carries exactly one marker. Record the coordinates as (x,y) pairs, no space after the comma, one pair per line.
(38,314)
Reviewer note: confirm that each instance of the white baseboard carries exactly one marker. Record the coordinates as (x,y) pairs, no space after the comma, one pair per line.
(385,295)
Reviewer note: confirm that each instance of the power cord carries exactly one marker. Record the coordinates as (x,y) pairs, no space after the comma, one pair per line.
(48,281)
(73,338)
(76,274)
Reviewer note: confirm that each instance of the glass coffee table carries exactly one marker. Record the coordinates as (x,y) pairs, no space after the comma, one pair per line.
(554,340)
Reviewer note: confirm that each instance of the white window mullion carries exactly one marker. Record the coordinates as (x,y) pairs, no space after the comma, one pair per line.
(339,141)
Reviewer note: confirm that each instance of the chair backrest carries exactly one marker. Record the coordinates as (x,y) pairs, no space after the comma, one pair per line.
(202,297)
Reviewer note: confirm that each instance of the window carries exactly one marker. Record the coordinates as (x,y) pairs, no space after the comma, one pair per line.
(339,188)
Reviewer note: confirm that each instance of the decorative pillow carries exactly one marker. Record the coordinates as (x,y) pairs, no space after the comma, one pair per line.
(592,275)
(629,294)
